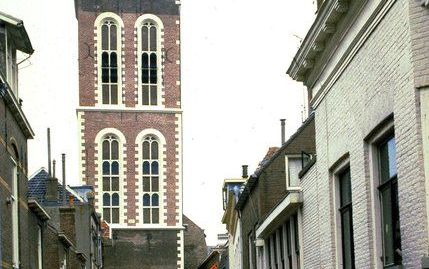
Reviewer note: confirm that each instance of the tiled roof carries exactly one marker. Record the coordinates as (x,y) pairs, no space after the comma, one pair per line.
(37,188)
(293,145)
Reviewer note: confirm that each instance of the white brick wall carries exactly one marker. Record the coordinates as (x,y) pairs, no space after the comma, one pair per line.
(379,81)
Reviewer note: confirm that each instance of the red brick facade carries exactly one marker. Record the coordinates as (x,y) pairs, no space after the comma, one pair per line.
(128,117)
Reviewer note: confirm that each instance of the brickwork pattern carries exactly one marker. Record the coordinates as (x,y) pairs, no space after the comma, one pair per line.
(10,132)
(377,83)
(131,119)
(419,17)
(155,249)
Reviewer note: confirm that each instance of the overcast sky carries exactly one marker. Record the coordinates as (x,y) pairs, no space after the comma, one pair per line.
(235,89)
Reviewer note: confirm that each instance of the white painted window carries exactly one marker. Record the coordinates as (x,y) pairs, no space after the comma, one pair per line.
(64,260)
(149,60)
(110,178)
(293,167)
(151,179)
(109,61)
(15,212)
(282,247)
(39,248)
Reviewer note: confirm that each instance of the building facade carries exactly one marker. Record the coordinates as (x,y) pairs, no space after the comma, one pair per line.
(270,204)
(365,66)
(130,123)
(231,190)
(14,133)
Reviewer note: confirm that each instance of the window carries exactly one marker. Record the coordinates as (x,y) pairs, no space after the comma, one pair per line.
(296,237)
(289,244)
(346,217)
(39,248)
(64,259)
(388,190)
(150,58)
(15,210)
(252,250)
(110,167)
(293,166)
(110,55)
(151,189)
(281,247)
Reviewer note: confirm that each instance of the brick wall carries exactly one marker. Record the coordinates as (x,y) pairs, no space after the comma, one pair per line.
(310,219)
(11,132)
(378,82)
(195,249)
(141,249)
(131,122)
(419,17)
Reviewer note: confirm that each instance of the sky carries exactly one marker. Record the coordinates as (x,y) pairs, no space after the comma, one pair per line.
(235,54)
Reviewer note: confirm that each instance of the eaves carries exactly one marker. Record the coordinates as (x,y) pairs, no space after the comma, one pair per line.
(15,108)
(319,43)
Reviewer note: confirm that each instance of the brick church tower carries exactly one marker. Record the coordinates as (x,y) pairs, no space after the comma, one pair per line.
(130,123)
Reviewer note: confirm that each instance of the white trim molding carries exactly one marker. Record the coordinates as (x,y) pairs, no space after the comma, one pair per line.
(162,176)
(98,184)
(120,58)
(81,143)
(281,212)
(160,59)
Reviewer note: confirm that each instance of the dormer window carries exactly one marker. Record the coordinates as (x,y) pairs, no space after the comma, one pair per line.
(293,167)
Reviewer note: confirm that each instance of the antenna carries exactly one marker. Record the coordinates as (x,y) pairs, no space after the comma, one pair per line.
(49,151)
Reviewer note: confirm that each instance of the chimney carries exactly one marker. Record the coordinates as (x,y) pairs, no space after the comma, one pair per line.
(283,126)
(64,177)
(71,200)
(244,171)
(51,194)
(49,152)
(90,196)
(53,167)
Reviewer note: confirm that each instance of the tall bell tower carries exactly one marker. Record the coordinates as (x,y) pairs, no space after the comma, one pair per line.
(130,123)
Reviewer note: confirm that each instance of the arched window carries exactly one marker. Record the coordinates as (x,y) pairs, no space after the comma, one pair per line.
(150,167)
(14,201)
(109,61)
(110,178)
(149,62)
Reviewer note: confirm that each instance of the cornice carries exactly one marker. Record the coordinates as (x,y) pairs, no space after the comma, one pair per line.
(130,109)
(330,13)
(15,108)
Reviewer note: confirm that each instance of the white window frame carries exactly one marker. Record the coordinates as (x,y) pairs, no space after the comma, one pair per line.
(339,168)
(374,179)
(39,248)
(160,28)
(98,25)
(99,171)
(288,187)
(111,192)
(153,139)
(139,176)
(15,215)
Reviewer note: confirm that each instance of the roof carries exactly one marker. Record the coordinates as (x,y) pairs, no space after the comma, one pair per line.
(18,33)
(37,188)
(270,157)
(15,107)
